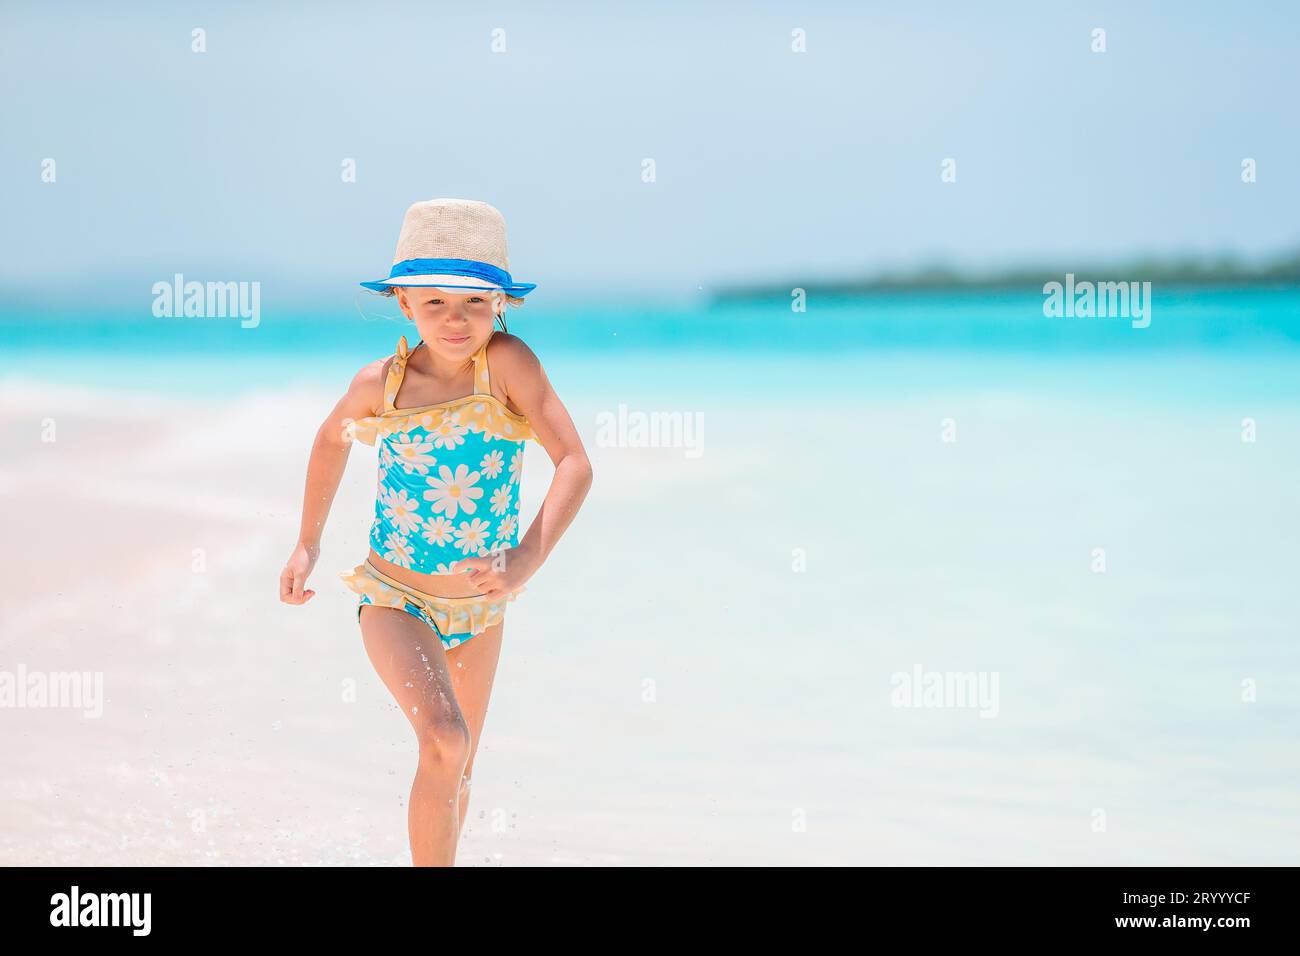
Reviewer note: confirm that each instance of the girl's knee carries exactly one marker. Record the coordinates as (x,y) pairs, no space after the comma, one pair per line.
(444,741)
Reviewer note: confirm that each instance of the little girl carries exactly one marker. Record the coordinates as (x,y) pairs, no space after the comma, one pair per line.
(450,417)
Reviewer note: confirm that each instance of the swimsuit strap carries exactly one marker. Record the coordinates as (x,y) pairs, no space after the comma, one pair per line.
(396,372)
(482,383)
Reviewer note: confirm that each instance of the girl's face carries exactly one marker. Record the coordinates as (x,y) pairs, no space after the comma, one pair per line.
(453,322)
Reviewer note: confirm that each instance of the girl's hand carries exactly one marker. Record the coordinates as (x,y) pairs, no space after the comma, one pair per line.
(294,576)
(500,573)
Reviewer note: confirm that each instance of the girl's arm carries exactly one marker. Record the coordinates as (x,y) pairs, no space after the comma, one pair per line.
(329,458)
(521,376)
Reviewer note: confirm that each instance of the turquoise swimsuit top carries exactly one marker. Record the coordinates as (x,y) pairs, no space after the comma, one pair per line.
(449,474)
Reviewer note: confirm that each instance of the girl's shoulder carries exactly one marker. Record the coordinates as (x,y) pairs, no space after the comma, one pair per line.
(515,370)
(367,386)
(509,356)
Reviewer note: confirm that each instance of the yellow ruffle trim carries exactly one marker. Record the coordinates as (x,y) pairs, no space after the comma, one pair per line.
(477,413)
(452,615)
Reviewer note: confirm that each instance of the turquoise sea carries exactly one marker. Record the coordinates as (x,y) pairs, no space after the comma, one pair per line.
(1199,340)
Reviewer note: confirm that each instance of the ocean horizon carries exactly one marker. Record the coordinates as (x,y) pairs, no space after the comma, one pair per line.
(748,346)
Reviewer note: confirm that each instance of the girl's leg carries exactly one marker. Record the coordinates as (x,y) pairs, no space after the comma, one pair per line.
(473,666)
(409,658)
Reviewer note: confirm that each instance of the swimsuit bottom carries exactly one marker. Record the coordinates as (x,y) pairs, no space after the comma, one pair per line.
(454,620)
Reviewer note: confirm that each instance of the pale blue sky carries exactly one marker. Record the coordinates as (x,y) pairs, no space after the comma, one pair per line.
(771,165)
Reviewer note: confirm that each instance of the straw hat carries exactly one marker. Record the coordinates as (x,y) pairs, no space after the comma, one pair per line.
(453,244)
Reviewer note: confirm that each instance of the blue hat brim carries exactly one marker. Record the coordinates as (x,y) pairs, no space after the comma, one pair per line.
(518,289)
(442,273)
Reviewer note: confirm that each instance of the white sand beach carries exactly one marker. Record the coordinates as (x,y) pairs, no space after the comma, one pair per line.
(672,690)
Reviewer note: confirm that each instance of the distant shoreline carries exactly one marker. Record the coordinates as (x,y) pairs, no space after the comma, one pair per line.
(1225,272)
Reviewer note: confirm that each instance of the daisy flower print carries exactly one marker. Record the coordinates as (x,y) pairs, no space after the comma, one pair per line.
(402,510)
(472,536)
(492,464)
(438,530)
(448,433)
(414,453)
(452,493)
(398,550)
